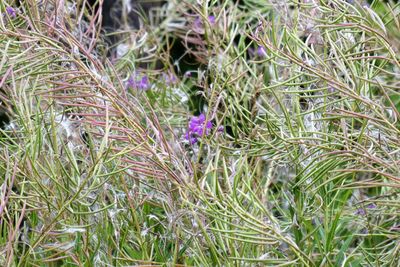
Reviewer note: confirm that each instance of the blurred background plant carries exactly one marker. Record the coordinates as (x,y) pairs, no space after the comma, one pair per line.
(294,106)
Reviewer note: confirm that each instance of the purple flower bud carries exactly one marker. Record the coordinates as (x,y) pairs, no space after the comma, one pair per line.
(11,12)
(144,83)
(131,82)
(360,212)
(191,138)
(363,211)
(198,22)
(211,19)
(261,51)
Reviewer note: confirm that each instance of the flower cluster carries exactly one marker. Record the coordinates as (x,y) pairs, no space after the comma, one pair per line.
(198,127)
(363,211)
(141,83)
(11,12)
(170,78)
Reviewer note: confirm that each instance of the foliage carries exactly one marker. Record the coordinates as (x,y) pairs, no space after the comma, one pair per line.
(299,163)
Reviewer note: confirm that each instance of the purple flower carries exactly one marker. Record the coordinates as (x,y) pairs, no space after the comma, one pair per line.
(198,22)
(11,12)
(363,211)
(360,212)
(198,127)
(211,19)
(142,83)
(191,138)
(261,51)
(170,78)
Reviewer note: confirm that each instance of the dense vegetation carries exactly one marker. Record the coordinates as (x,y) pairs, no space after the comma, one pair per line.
(218,133)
